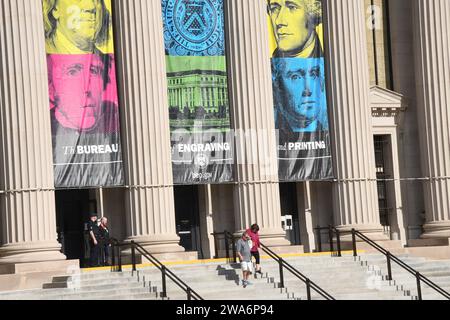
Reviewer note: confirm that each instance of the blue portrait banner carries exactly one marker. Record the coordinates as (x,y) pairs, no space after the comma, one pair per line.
(299,90)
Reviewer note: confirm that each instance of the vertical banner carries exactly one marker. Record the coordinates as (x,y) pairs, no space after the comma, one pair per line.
(201,138)
(298,74)
(83,93)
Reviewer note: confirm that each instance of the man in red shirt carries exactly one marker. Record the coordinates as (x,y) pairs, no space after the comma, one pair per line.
(254,236)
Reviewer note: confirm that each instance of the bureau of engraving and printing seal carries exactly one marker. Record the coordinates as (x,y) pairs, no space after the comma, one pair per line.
(193,27)
(201,160)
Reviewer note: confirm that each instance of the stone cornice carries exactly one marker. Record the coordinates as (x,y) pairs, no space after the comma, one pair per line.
(386,103)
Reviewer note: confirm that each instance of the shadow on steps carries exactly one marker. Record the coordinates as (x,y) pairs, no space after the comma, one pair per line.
(231,272)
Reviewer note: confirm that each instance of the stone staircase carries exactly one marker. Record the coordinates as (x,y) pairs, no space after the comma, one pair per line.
(102,285)
(437,271)
(345,278)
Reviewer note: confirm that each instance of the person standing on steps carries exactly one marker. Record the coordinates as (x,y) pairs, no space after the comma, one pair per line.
(94,234)
(254,236)
(104,241)
(243,250)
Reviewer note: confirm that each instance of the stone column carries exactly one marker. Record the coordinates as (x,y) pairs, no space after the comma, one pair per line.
(27,197)
(355,203)
(206,221)
(150,208)
(432,54)
(305,214)
(256,195)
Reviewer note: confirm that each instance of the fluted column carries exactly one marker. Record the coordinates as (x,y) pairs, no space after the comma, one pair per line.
(256,196)
(27,198)
(432,56)
(150,209)
(355,203)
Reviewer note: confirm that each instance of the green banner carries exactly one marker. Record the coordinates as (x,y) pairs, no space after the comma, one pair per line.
(201,139)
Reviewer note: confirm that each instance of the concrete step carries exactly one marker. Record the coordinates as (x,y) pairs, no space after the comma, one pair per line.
(93,276)
(106,287)
(359,286)
(141,296)
(77,295)
(412,284)
(254,291)
(86,283)
(144,296)
(413,263)
(403,277)
(370,296)
(102,290)
(204,287)
(321,272)
(427,272)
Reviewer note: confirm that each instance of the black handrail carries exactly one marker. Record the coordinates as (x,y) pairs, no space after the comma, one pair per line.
(283,264)
(390,257)
(165,272)
(331,231)
(227,237)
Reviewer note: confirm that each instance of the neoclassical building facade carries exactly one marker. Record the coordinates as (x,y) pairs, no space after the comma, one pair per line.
(388,82)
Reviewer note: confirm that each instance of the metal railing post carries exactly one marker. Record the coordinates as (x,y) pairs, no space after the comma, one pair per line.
(330,235)
(227,247)
(338,241)
(419,289)
(133,255)
(216,246)
(319,240)
(164,285)
(234,251)
(280,262)
(355,253)
(389,268)
(113,257)
(308,289)
(136,249)
(120,259)
(189,294)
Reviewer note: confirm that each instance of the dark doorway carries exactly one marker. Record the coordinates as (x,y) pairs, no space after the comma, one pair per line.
(72,211)
(289,211)
(187,217)
(383,162)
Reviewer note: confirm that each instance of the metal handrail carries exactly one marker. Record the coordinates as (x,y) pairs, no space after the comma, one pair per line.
(390,257)
(227,237)
(283,264)
(331,231)
(165,272)
(309,284)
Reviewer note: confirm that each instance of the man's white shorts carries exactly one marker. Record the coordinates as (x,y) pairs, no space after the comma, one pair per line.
(247,266)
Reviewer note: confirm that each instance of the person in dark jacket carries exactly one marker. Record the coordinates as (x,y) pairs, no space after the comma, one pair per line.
(94,237)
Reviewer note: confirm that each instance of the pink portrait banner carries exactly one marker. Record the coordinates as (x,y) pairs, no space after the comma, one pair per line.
(84,104)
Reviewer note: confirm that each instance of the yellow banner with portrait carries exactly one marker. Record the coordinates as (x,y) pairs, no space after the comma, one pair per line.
(78,26)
